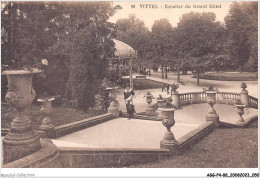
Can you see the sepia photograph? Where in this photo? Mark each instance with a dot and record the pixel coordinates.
(118, 84)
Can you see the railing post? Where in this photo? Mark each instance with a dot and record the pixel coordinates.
(114, 105)
(46, 128)
(211, 100)
(195, 95)
(244, 95)
(176, 98)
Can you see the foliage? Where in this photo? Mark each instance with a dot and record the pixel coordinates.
(200, 41)
(75, 34)
(162, 43)
(241, 24)
(134, 32)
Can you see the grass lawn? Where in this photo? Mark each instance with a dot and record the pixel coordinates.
(60, 116)
(223, 148)
(230, 76)
(143, 84)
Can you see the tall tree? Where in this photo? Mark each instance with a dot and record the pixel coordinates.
(200, 41)
(75, 33)
(241, 24)
(161, 42)
(134, 32)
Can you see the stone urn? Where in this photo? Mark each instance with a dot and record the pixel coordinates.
(46, 127)
(149, 98)
(175, 95)
(240, 111)
(114, 104)
(211, 100)
(160, 103)
(21, 139)
(167, 116)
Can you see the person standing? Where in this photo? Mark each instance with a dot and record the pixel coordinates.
(168, 88)
(128, 96)
(163, 87)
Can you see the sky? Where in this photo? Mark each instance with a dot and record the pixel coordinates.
(170, 10)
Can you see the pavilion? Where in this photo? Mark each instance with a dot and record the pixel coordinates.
(122, 60)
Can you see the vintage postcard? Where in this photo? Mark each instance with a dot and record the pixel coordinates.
(129, 84)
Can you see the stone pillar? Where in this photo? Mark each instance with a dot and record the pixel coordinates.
(240, 112)
(21, 140)
(176, 99)
(244, 97)
(212, 115)
(169, 142)
(46, 128)
(114, 105)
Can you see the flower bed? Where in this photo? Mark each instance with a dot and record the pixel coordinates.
(61, 115)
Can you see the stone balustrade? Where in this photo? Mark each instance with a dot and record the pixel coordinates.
(221, 97)
(253, 102)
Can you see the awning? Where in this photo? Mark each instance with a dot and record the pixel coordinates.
(123, 50)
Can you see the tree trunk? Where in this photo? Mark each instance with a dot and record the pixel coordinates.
(149, 72)
(166, 74)
(9, 31)
(198, 79)
(178, 74)
(162, 73)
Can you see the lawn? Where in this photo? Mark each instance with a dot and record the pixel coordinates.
(60, 116)
(230, 76)
(143, 84)
(223, 148)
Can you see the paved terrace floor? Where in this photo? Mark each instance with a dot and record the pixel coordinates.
(123, 133)
(135, 133)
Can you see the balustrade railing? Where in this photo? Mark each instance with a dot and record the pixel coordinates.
(221, 97)
(227, 98)
(253, 102)
(192, 98)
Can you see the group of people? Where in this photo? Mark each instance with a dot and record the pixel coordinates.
(166, 87)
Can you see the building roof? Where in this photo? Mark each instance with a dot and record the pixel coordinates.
(123, 50)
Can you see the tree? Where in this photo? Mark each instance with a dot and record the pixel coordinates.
(74, 33)
(161, 42)
(134, 32)
(241, 24)
(199, 40)
(85, 44)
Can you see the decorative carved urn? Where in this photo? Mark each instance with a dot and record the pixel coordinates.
(167, 117)
(21, 140)
(46, 127)
(211, 100)
(149, 98)
(114, 105)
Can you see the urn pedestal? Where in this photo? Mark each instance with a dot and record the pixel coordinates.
(21, 140)
(212, 115)
(150, 111)
(175, 98)
(169, 142)
(244, 97)
(240, 112)
(114, 105)
(46, 128)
